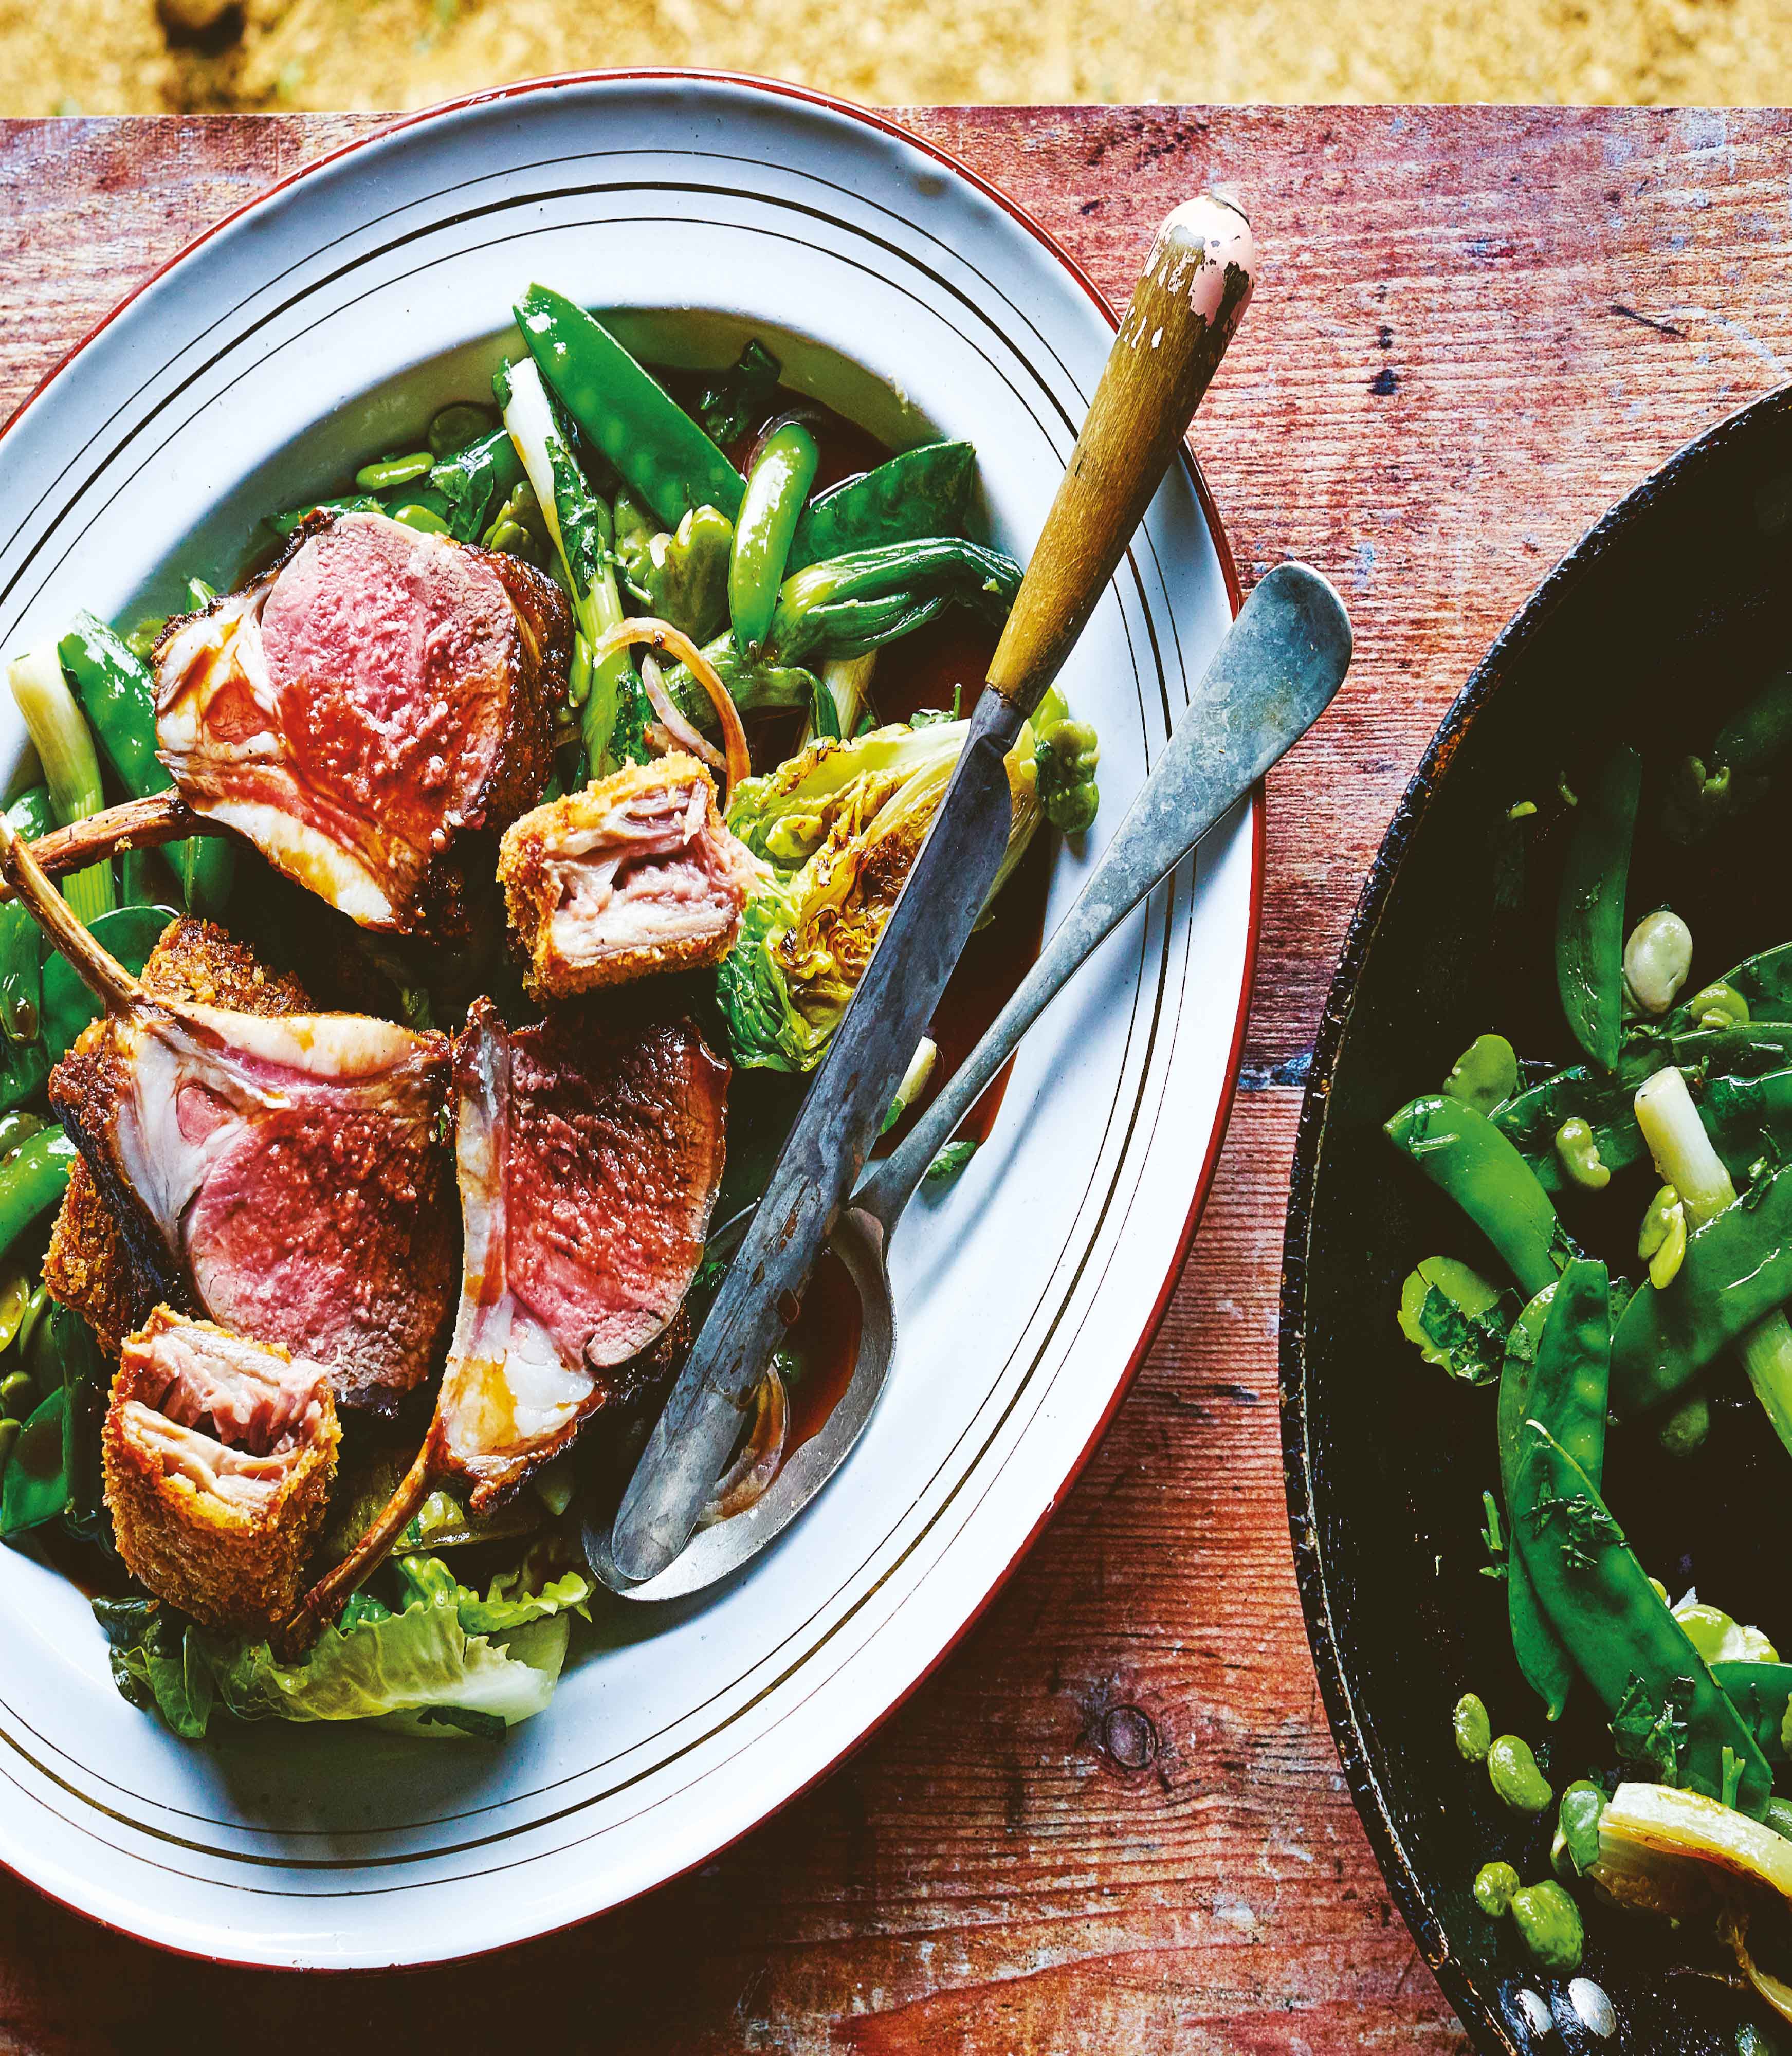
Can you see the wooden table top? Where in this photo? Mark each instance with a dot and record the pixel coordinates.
(1476, 328)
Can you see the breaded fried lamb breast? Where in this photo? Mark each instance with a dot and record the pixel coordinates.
(636, 874)
(218, 1455)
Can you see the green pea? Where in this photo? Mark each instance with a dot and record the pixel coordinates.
(426, 520)
(1718, 1005)
(9, 1432)
(17, 1126)
(35, 1308)
(1473, 1729)
(1486, 1075)
(1495, 1884)
(1549, 1921)
(1684, 1431)
(15, 1296)
(1579, 1152)
(1577, 1839)
(18, 1395)
(142, 640)
(513, 540)
(1657, 958)
(458, 425)
(1661, 1239)
(1515, 1776)
(393, 471)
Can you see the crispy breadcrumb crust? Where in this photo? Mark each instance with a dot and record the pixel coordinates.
(88, 1266)
(229, 1566)
(529, 888)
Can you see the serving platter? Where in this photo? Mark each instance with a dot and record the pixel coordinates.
(1666, 615)
(329, 318)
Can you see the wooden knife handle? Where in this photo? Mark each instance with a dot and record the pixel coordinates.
(1195, 286)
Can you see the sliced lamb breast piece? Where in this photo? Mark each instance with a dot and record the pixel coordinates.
(284, 1177)
(356, 709)
(589, 1151)
(637, 873)
(218, 1455)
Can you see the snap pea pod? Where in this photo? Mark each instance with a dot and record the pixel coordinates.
(1743, 752)
(1590, 910)
(130, 933)
(623, 411)
(21, 949)
(1605, 1100)
(86, 1385)
(1544, 1663)
(1564, 1387)
(782, 472)
(925, 491)
(118, 696)
(1618, 1628)
(35, 1488)
(1736, 1271)
(845, 605)
(1747, 1118)
(1467, 1157)
(32, 1181)
(1761, 1692)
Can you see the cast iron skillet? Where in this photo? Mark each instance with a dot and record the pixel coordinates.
(1670, 610)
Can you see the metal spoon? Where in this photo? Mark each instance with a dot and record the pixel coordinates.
(1273, 674)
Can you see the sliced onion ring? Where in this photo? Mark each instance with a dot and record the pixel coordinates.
(663, 635)
(676, 729)
(744, 1481)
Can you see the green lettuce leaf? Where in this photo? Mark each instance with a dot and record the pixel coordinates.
(446, 1660)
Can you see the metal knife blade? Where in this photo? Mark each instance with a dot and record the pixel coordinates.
(838, 1122)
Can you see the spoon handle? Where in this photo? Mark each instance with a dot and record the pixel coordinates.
(1189, 300)
(1274, 674)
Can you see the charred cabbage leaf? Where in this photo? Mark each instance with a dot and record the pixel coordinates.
(839, 825)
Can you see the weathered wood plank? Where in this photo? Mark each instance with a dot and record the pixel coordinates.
(1114, 1820)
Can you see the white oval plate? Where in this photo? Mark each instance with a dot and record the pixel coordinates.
(323, 322)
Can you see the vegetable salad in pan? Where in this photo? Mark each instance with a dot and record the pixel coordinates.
(449, 915)
(1628, 1286)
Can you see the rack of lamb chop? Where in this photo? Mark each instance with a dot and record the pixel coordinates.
(373, 698)
(282, 1177)
(589, 1149)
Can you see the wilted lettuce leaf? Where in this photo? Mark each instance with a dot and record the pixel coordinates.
(445, 1660)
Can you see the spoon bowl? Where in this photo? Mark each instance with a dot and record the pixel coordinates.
(1281, 662)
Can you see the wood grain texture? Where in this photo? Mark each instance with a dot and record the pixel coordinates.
(1114, 1821)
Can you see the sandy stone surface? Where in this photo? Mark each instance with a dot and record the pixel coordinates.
(135, 56)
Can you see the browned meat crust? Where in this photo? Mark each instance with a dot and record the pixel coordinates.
(88, 1266)
(230, 1564)
(542, 855)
